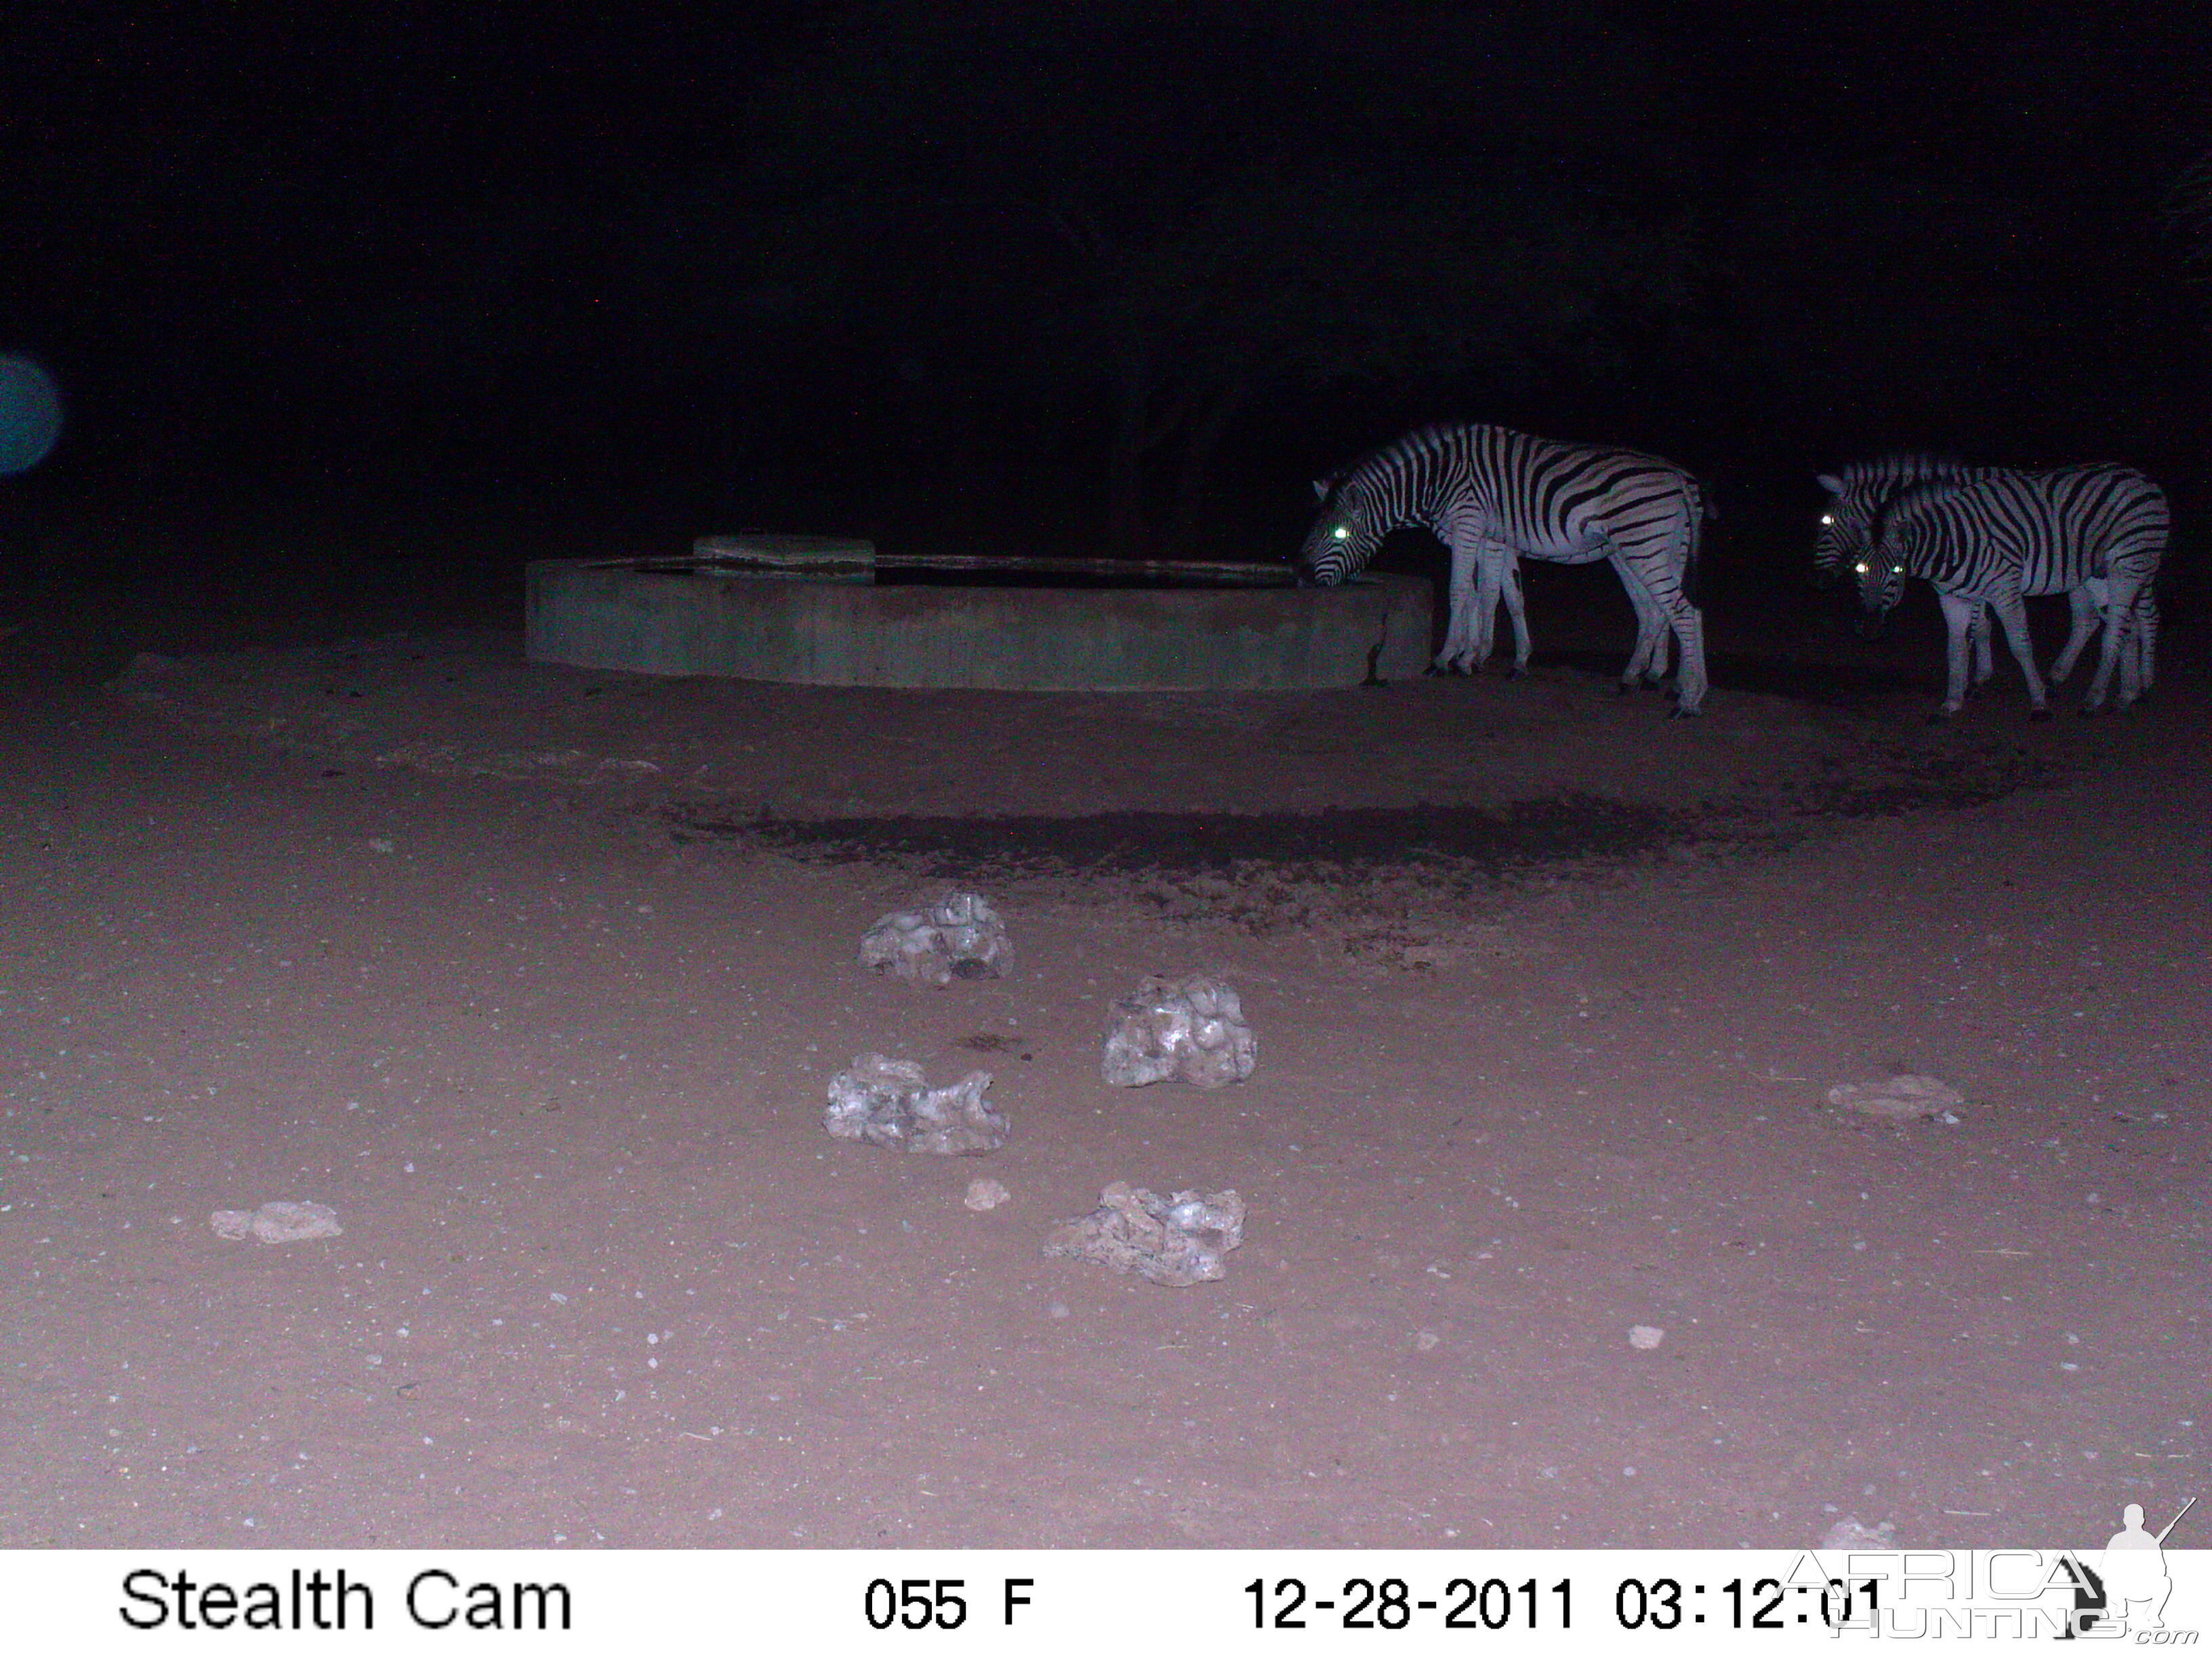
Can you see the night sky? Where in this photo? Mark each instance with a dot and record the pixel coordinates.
(469, 284)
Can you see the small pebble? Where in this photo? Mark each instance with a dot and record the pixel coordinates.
(1904, 1097)
(279, 1223)
(984, 1194)
(1645, 1336)
(1852, 1533)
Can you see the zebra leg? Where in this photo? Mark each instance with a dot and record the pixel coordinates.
(1690, 680)
(2013, 615)
(1516, 606)
(1459, 635)
(1497, 580)
(2087, 602)
(1662, 638)
(2139, 650)
(2123, 609)
(1482, 626)
(1665, 583)
(1647, 666)
(1655, 588)
(2113, 652)
(1985, 667)
(1960, 618)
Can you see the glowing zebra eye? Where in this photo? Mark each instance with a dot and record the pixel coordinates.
(1827, 518)
(1342, 532)
(1861, 568)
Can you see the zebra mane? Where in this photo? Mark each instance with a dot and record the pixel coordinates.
(1423, 440)
(1914, 493)
(1906, 466)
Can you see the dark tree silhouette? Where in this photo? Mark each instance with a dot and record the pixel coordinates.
(2189, 219)
(1088, 204)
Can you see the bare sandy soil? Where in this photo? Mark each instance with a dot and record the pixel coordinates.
(535, 977)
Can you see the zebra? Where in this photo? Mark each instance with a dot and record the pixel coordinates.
(1864, 488)
(1495, 497)
(1858, 495)
(1993, 537)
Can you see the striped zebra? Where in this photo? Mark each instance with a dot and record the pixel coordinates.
(1857, 496)
(1494, 497)
(1863, 490)
(1993, 538)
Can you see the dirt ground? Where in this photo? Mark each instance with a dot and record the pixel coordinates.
(537, 976)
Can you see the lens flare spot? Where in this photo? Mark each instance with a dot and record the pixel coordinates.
(30, 415)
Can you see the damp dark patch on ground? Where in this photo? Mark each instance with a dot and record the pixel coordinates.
(1921, 782)
(1465, 842)
(1572, 827)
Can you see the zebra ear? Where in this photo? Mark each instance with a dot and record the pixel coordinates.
(1832, 483)
(1321, 489)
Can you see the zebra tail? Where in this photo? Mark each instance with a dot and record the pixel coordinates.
(1701, 508)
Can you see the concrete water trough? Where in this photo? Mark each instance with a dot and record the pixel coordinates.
(812, 610)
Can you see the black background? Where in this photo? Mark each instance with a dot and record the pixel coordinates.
(349, 301)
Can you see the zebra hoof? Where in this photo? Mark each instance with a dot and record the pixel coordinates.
(1518, 672)
(2045, 713)
(1679, 713)
(1625, 688)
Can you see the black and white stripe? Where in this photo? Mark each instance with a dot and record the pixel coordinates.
(1863, 490)
(1994, 537)
(1493, 497)
(1857, 495)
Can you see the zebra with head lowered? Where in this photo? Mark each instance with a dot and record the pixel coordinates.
(1863, 491)
(1993, 537)
(1494, 496)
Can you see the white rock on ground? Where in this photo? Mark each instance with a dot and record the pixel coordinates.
(1177, 1240)
(945, 935)
(889, 1102)
(1190, 1028)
